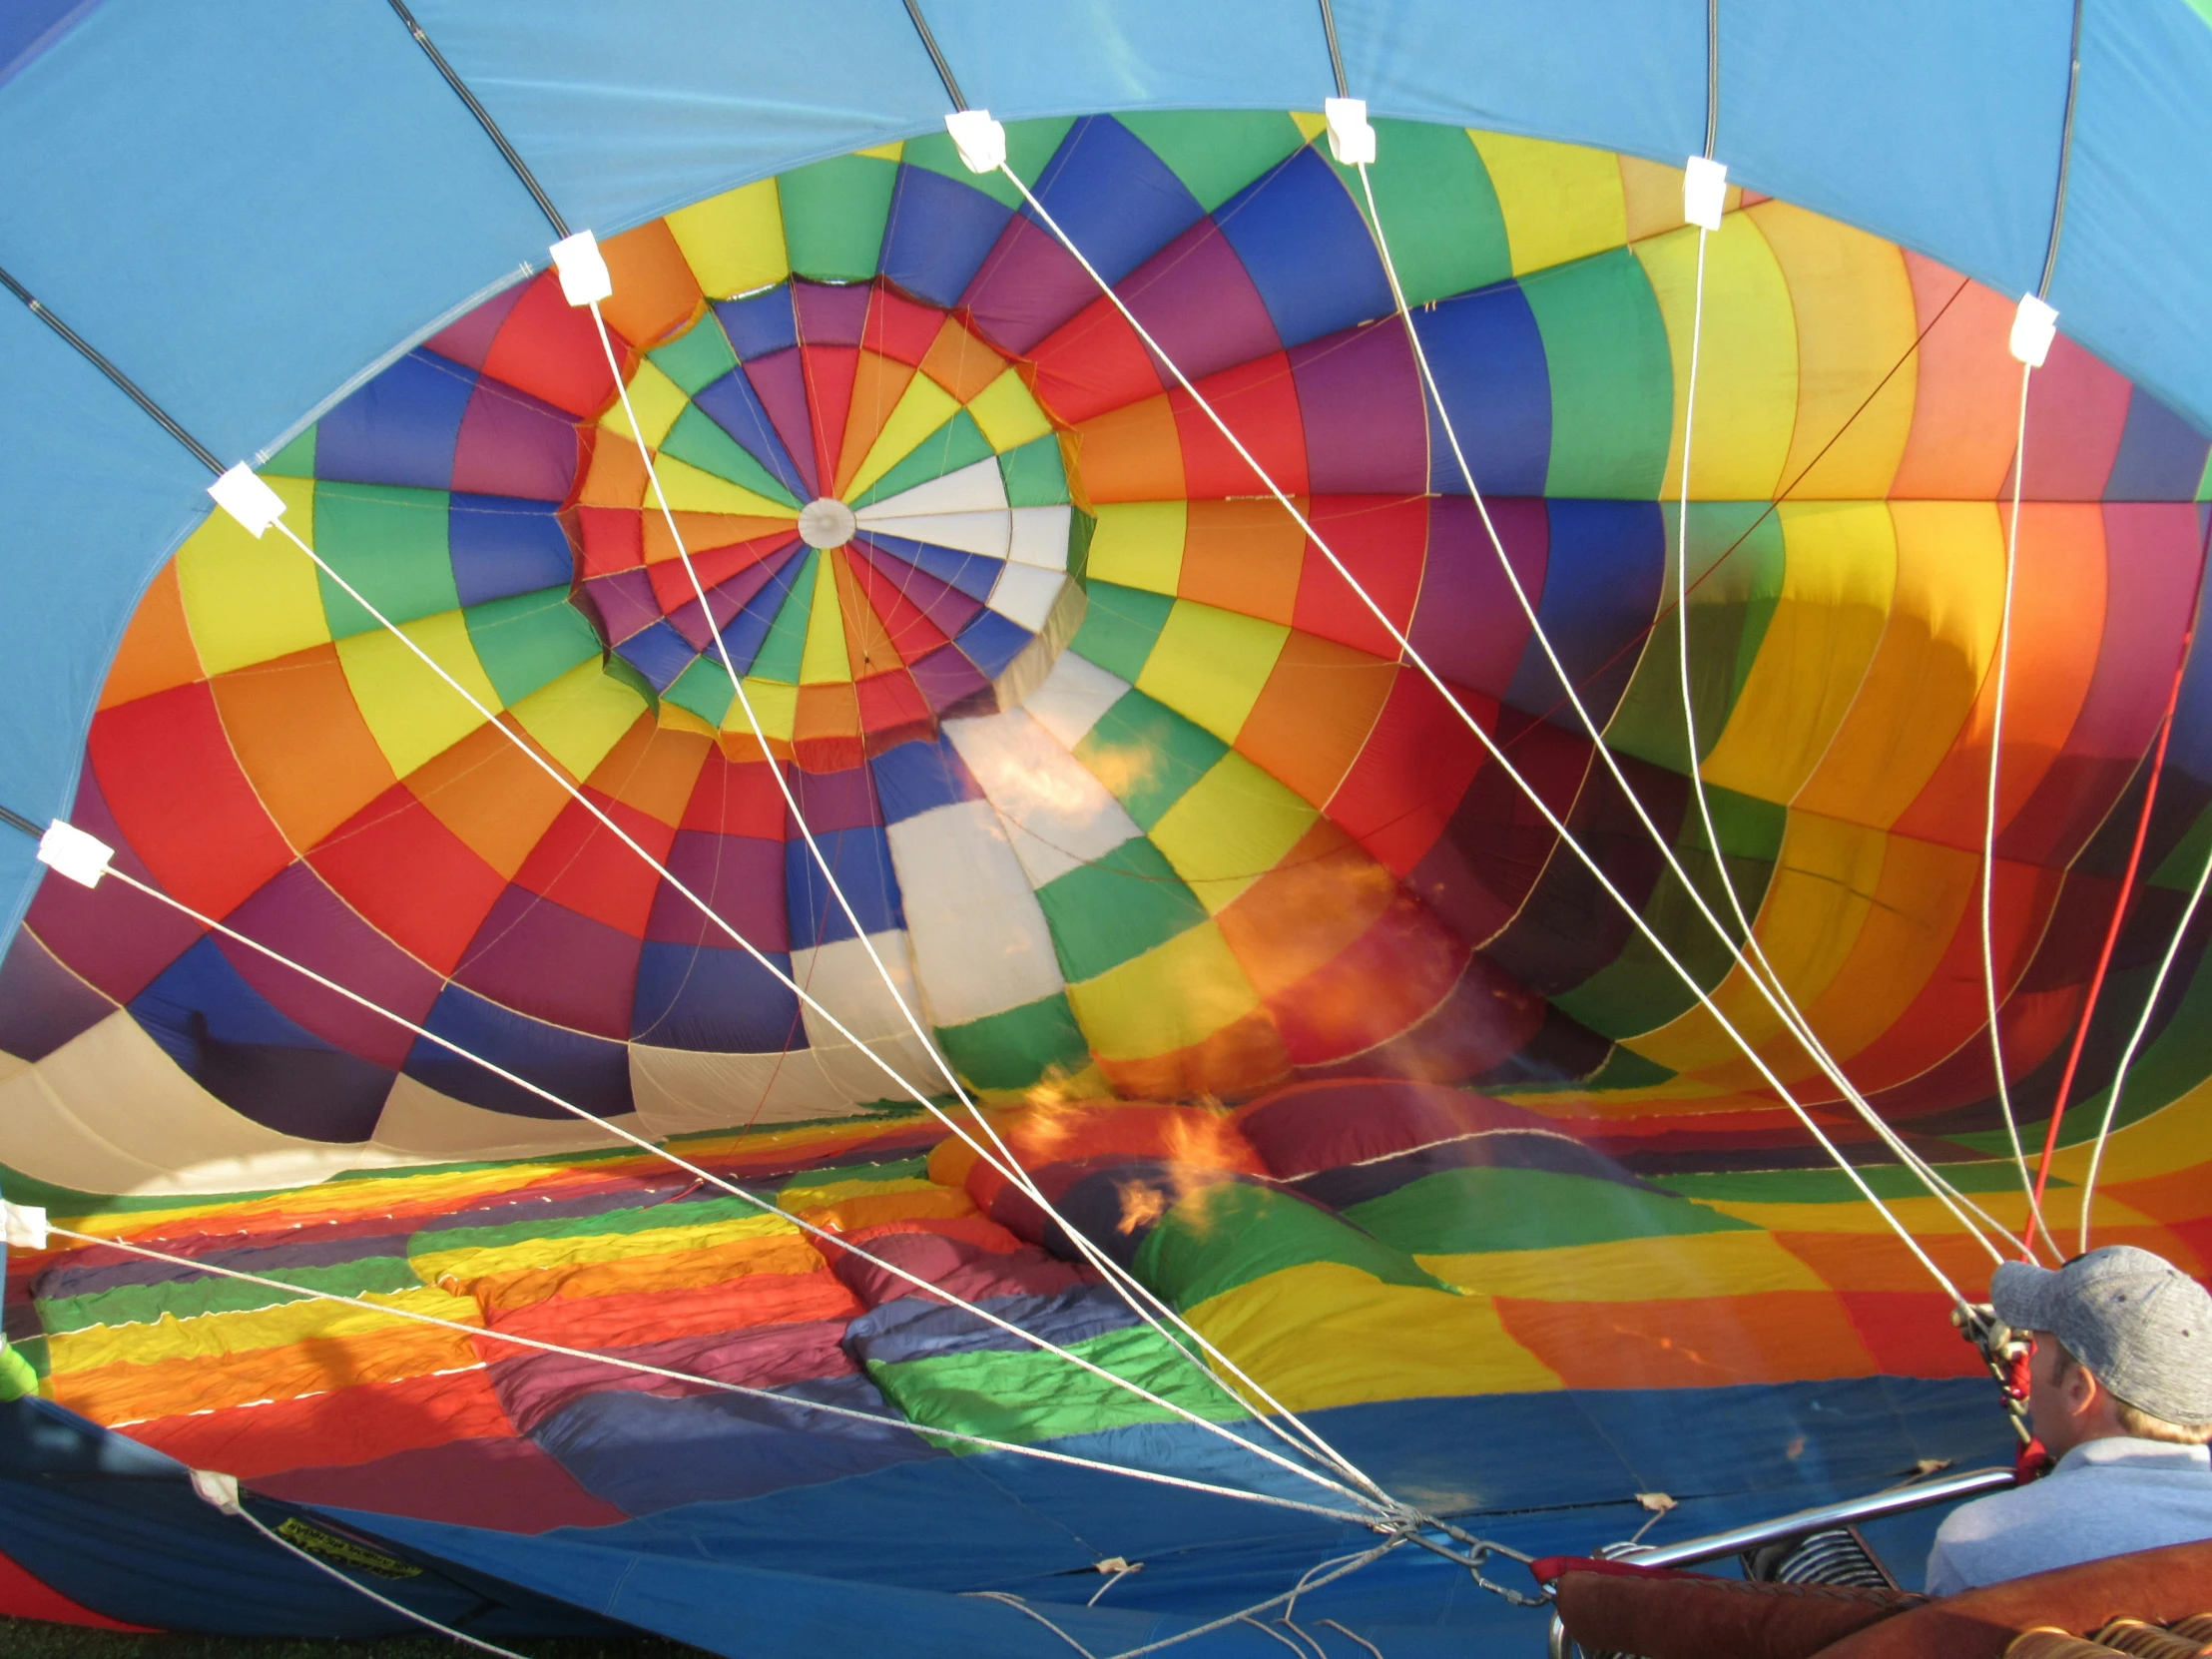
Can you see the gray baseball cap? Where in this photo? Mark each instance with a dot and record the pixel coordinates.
(2140, 1323)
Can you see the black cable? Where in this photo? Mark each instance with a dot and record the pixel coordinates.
(944, 70)
(1712, 76)
(485, 120)
(16, 821)
(1336, 52)
(2066, 156)
(128, 387)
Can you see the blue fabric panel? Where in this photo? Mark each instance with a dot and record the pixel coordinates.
(225, 1034)
(1488, 361)
(2161, 455)
(503, 546)
(42, 1003)
(29, 26)
(919, 777)
(400, 428)
(1115, 199)
(860, 860)
(992, 643)
(972, 573)
(1308, 249)
(746, 632)
(761, 325)
(659, 653)
(736, 408)
(917, 1328)
(713, 999)
(1601, 590)
(644, 1453)
(938, 234)
(586, 1071)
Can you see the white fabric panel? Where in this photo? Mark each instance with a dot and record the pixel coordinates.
(979, 939)
(681, 1091)
(986, 534)
(971, 489)
(420, 1125)
(1056, 815)
(1024, 594)
(840, 977)
(1041, 537)
(1073, 696)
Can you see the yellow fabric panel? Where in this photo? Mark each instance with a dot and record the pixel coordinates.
(1309, 123)
(773, 1234)
(1211, 665)
(1172, 996)
(789, 1256)
(733, 243)
(885, 152)
(795, 1198)
(2171, 1138)
(1922, 1217)
(1139, 544)
(689, 489)
(248, 601)
(412, 713)
(1825, 877)
(1631, 1270)
(775, 706)
(657, 400)
(212, 1335)
(1838, 575)
(1747, 361)
(1007, 413)
(579, 717)
(824, 660)
(1929, 668)
(875, 1209)
(1230, 828)
(1560, 202)
(922, 408)
(1324, 1334)
(1854, 325)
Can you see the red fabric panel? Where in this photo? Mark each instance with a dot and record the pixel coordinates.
(550, 350)
(1093, 364)
(510, 1485)
(583, 864)
(1258, 402)
(899, 328)
(1384, 542)
(1417, 762)
(1318, 1126)
(412, 876)
(736, 799)
(25, 1596)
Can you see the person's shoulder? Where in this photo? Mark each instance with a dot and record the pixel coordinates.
(1986, 1517)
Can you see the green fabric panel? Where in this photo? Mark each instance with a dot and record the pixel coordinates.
(1148, 755)
(833, 216)
(1612, 378)
(697, 439)
(1219, 1237)
(704, 689)
(1029, 145)
(1034, 473)
(618, 668)
(1637, 992)
(18, 1377)
(2181, 868)
(1081, 528)
(146, 1304)
(1439, 211)
(389, 543)
(959, 442)
(529, 641)
(1120, 626)
(1030, 1395)
(1828, 1185)
(1459, 1210)
(1117, 907)
(780, 651)
(1012, 1050)
(697, 358)
(1217, 152)
(295, 459)
(648, 1217)
(1736, 570)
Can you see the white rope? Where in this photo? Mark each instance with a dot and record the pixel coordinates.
(1989, 816)
(1132, 1291)
(1007, 1600)
(644, 1369)
(1042, 1344)
(1776, 996)
(2134, 1041)
(1354, 1634)
(1498, 754)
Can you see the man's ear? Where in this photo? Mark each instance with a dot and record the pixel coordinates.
(2082, 1389)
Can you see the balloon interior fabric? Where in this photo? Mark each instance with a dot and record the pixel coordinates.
(1260, 963)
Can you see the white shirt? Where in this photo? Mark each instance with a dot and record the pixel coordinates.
(2106, 1498)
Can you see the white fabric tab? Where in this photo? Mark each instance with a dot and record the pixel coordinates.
(1704, 193)
(583, 268)
(2035, 326)
(26, 1226)
(242, 493)
(222, 1491)
(980, 140)
(70, 851)
(1350, 139)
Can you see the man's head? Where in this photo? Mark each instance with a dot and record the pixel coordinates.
(2123, 1346)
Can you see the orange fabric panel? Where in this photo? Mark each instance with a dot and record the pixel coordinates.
(781, 1254)
(877, 383)
(157, 650)
(1307, 911)
(1967, 409)
(1875, 1262)
(960, 363)
(848, 1215)
(825, 730)
(1767, 1336)
(1243, 556)
(490, 795)
(1243, 1057)
(615, 475)
(655, 296)
(1133, 454)
(868, 643)
(653, 770)
(1314, 714)
(704, 533)
(300, 741)
(648, 1316)
(126, 1392)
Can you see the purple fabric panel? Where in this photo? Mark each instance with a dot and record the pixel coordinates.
(295, 913)
(1317, 1126)
(741, 879)
(831, 313)
(533, 1387)
(625, 601)
(947, 608)
(725, 599)
(42, 1003)
(1195, 298)
(947, 678)
(836, 799)
(512, 444)
(1466, 624)
(117, 939)
(958, 1266)
(88, 1271)
(1028, 287)
(779, 382)
(1360, 395)
(541, 958)
(468, 338)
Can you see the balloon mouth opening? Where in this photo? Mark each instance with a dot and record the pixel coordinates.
(826, 523)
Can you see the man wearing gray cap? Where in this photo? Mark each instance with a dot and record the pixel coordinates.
(2120, 1393)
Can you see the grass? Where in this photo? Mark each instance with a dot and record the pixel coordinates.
(36, 1639)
